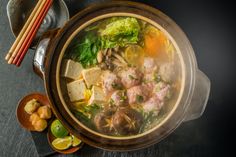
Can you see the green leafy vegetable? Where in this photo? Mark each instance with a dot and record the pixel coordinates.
(86, 51)
(149, 117)
(112, 33)
(120, 32)
(88, 110)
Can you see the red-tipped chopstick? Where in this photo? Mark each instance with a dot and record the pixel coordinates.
(24, 47)
(24, 39)
(28, 24)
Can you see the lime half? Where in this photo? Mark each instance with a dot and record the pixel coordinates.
(58, 130)
(134, 54)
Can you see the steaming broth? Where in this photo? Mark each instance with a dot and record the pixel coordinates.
(121, 76)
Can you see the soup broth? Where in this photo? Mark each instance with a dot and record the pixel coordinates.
(121, 76)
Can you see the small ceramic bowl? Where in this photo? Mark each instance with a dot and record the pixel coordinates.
(22, 116)
(70, 150)
(19, 10)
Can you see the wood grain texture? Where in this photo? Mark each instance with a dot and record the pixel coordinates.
(202, 22)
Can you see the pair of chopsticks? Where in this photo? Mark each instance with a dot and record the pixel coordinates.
(22, 43)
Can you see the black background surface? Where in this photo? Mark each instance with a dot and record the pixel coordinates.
(210, 26)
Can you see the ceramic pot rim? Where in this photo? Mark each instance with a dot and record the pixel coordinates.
(84, 134)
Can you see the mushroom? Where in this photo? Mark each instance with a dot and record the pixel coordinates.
(111, 58)
(104, 52)
(109, 52)
(103, 122)
(127, 121)
(116, 49)
(100, 56)
(121, 59)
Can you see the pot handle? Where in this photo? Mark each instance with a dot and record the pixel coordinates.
(200, 97)
(42, 53)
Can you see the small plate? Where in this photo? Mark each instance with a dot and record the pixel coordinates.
(22, 116)
(70, 150)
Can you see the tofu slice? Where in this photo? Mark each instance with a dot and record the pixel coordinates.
(92, 76)
(98, 96)
(71, 69)
(76, 90)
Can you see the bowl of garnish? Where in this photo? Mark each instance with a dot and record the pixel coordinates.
(61, 140)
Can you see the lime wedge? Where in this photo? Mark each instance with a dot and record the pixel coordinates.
(62, 143)
(75, 141)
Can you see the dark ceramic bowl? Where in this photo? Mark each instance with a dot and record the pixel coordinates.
(193, 94)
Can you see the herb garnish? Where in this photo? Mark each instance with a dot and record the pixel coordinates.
(132, 77)
(139, 98)
(116, 85)
(157, 78)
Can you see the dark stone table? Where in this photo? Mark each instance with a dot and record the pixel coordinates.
(210, 26)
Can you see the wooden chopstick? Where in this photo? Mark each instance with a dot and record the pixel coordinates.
(20, 56)
(29, 27)
(22, 31)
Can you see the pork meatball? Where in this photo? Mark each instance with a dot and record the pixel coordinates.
(162, 90)
(119, 98)
(111, 82)
(149, 65)
(167, 72)
(127, 121)
(130, 77)
(138, 94)
(153, 104)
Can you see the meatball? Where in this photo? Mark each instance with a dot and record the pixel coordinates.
(138, 94)
(111, 82)
(127, 121)
(131, 77)
(162, 90)
(119, 98)
(148, 77)
(152, 77)
(149, 65)
(167, 72)
(153, 104)
(103, 122)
